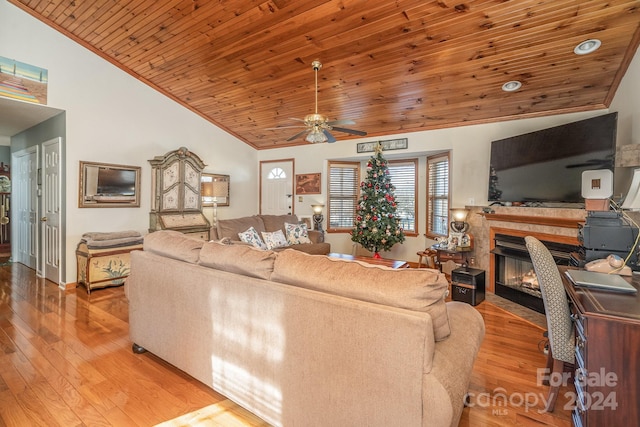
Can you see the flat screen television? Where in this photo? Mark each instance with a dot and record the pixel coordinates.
(116, 182)
(545, 167)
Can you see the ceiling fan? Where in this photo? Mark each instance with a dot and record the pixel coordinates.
(317, 126)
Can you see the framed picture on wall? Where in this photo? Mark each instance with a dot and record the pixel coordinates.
(388, 144)
(308, 183)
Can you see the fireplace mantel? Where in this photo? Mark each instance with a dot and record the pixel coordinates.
(569, 240)
(536, 220)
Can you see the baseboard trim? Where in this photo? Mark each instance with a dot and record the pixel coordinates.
(69, 286)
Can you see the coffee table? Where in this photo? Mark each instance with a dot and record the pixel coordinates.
(371, 260)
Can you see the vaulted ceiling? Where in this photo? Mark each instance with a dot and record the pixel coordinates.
(390, 66)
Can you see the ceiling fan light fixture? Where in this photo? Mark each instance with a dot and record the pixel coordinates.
(315, 118)
(511, 86)
(318, 126)
(587, 46)
(316, 136)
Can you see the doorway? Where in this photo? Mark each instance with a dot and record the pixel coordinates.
(276, 187)
(24, 212)
(37, 209)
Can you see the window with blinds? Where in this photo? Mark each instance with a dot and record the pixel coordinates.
(403, 175)
(438, 195)
(344, 184)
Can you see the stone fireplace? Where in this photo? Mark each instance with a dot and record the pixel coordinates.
(550, 225)
(556, 227)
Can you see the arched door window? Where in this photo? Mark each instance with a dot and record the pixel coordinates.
(277, 173)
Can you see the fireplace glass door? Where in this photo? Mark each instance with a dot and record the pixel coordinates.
(515, 278)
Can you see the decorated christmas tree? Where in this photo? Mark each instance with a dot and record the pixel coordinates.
(376, 226)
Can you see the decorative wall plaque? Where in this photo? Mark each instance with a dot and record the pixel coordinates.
(389, 144)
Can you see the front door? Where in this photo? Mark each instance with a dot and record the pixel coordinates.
(276, 187)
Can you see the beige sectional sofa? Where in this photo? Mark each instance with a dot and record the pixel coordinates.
(229, 229)
(305, 340)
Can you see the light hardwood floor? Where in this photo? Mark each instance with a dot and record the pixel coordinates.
(66, 360)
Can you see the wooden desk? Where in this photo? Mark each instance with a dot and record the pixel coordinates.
(608, 350)
(370, 260)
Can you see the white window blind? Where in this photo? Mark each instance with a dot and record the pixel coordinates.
(344, 183)
(403, 175)
(438, 195)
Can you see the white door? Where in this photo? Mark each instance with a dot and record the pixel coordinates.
(276, 187)
(51, 214)
(24, 209)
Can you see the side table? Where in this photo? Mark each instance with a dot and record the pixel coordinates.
(458, 255)
(452, 258)
(430, 257)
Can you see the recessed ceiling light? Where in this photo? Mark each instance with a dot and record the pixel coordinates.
(511, 86)
(587, 46)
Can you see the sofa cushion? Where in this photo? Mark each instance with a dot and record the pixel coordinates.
(252, 237)
(296, 233)
(413, 289)
(231, 227)
(310, 248)
(173, 244)
(276, 222)
(274, 239)
(239, 259)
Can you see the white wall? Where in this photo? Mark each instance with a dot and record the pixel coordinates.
(113, 118)
(470, 148)
(627, 104)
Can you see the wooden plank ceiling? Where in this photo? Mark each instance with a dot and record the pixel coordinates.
(391, 66)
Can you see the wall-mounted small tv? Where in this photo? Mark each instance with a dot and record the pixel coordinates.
(545, 167)
(116, 182)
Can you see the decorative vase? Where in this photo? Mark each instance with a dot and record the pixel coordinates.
(376, 255)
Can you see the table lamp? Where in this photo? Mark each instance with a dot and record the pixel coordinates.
(318, 218)
(213, 189)
(459, 215)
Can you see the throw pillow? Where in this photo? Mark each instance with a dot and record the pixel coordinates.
(274, 239)
(296, 233)
(252, 237)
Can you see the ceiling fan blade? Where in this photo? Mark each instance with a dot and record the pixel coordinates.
(298, 135)
(330, 138)
(351, 131)
(341, 122)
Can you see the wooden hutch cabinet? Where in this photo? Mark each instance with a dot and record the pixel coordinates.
(177, 202)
